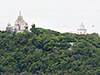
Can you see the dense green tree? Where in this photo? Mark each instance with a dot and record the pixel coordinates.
(46, 52)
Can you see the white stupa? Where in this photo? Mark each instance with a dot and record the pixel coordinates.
(19, 26)
(81, 29)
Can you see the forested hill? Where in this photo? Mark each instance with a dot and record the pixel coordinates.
(47, 52)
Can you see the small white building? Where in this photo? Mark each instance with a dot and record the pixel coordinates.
(82, 29)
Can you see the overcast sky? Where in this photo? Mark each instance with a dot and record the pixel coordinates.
(60, 15)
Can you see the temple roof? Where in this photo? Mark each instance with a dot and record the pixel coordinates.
(20, 19)
(82, 25)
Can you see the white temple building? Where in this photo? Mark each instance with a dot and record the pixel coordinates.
(82, 29)
(19, 26)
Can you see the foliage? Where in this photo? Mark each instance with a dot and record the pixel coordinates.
(46, 52)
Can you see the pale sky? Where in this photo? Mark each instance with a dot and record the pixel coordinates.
(60, 15)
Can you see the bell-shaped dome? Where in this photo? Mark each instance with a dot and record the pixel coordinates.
(81, 26)
(20, 24)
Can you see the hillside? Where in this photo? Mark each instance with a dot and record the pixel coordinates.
(46, 52)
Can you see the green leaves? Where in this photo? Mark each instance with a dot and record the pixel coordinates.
(46, 52)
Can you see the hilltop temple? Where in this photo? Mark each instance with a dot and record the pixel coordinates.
(19, 26)
(82, 29)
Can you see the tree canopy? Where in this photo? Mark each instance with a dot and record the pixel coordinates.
(48, 52)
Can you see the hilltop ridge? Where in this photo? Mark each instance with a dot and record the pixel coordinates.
(46, 52)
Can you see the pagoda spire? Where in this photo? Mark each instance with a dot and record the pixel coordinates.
(19, 13)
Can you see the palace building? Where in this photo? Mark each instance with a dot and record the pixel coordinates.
(19, 26)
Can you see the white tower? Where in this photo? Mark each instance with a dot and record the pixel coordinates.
(82, 29)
